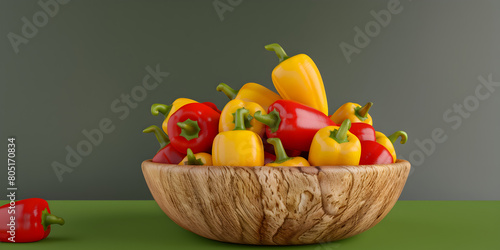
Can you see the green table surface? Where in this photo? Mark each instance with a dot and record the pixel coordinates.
(142, 225)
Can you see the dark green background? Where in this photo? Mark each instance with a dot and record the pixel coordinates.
(65, 79)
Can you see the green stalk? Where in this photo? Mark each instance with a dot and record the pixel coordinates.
(49, 219)
(279, 150)
(160, 135)
(189, 129)
(272, 120)
(239, 119)
(158, 108)
(362, 112)
(340, 135)
(279, 51)
(402, 134)
(230, 92)
(192, 160)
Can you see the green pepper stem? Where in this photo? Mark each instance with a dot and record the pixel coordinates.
(248, 120)
(160, 135)
(340, 135)
(189, 129)
(402, 134)
(158, 108)
(362, 112)
(272, 119)
(239, 118)
(49, 219)
(279, 150)
(230, 92)
(192, 160)
(279, 51)
(52, 219)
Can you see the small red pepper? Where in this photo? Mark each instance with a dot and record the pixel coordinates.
(373, 152)
(167, 154)
(294, 123)
(32, 220)
(194, 126)
(364, 131)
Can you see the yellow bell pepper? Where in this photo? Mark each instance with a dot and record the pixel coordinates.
(353, 112)
(282, 159)
(297, 78)
(239, 147)
(226, 122)
(251, 92)
(168, 110)
(335, 145)
(388, 142)
(203, 159)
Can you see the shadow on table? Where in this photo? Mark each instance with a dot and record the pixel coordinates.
(208, 243)
(57, 239)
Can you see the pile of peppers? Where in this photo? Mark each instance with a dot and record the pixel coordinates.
(259, 127)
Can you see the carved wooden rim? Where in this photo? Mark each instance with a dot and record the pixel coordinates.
(398, 163)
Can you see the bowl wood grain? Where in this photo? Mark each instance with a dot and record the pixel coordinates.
(276, 205)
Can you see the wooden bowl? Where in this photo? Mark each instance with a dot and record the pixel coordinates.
(276, 205)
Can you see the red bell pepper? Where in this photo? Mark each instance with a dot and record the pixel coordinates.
(294, 123)
(373, 152)
(194, 126)
(26, 220)
(364, 131)
(167, 153)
